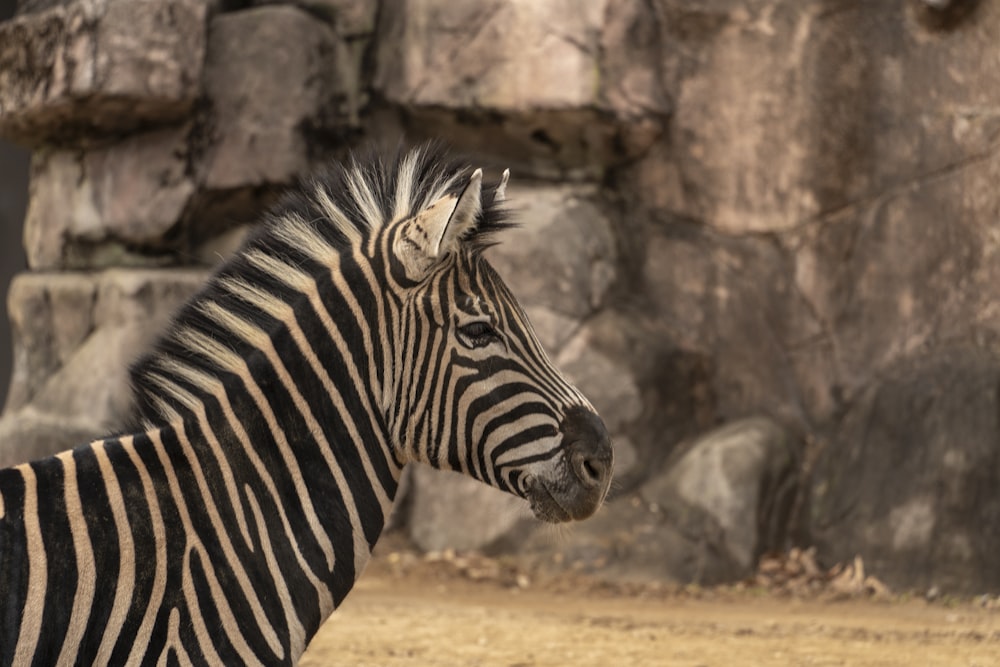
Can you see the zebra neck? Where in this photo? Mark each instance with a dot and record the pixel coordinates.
(245, 546)
(298, 515)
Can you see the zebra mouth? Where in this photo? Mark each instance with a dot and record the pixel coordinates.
(544, 503)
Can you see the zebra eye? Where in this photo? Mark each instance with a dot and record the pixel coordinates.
(478, 334)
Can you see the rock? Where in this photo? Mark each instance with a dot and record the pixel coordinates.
(611, 388)
(74, 338)
(730, 489)
(504, 57)
(732, 300)
(272, 97)
(92, 208)
(99, 66)
(505, 82)
(750, 70)
(705, 520)
(452, 511)
(351, 18)
(910, 284)
(564, 229)
(909, 478)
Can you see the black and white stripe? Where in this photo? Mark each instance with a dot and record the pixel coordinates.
(359, 330)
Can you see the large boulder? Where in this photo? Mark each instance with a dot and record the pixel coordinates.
(75, 335)
(909, 480)
(732, 489)
(99, 67)
(705, 518)
(99, 207)
(502, 79)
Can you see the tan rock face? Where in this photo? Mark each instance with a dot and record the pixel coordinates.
(507, 56)
(731, 208)
(74, 336)
(538, 83)
(270, 94)
(98, 67)
(93, 208)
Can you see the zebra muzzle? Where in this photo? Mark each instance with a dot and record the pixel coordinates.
(575, 489)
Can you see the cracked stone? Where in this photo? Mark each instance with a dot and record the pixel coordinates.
(94, 207)
(529, 81)
(75, 335)
(564, 229)
(99, 67)
(270, 95)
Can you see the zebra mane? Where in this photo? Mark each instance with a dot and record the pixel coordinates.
(345, 201)
(331, 211)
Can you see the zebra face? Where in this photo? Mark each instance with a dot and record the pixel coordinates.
(481, 396)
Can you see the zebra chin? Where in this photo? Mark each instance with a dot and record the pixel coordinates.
(574, 485)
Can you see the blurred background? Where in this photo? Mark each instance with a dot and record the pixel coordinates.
(13, 200)
(761, 235)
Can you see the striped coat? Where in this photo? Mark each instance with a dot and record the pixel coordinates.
(361, 329)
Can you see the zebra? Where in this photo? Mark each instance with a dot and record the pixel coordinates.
(360, 328)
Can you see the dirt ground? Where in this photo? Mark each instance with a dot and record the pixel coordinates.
(430, 617)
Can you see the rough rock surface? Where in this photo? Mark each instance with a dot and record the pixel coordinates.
(731, 208)
(99, 66)
(531, 81)
(271, 96)
(93, 208)
(730, 486)
(911, 474)
(74, 338)
(451, 511)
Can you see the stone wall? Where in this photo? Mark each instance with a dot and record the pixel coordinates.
(762, 235)
(13, 199)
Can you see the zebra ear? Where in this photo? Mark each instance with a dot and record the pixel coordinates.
(439, 229)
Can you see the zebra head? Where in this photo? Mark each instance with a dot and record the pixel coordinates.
(475, 391)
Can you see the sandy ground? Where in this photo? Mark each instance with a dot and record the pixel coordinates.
(412, 619)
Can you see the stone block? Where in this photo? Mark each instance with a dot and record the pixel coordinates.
(98, 207)
(273, 97)
(99, 67)
(527, 80)
(351, 18)
(75, 335)
(909, 479)
(734, 483)
(452, 511)
(504, 56)
(563, 229)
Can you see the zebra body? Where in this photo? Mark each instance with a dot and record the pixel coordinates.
(360, 330)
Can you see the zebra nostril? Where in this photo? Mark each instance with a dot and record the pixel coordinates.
(589, 469)
(588, 447)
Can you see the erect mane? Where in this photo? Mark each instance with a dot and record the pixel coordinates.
(335, 208)
(372, 189)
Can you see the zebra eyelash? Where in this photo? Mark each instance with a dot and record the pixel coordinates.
(478, 334)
